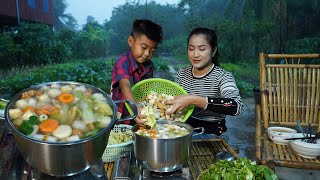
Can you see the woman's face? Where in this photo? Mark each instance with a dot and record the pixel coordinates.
(199, 52)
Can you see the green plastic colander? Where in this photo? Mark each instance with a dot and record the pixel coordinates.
(161, 86)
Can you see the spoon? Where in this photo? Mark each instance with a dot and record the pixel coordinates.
(299, 125)
(223, 155)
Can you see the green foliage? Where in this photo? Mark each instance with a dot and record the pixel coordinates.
(246, 75)
(93, 38)
(174, 46)
(305, 45)
(33, 44)
(9, 50)
(160, 64)
(97, 73)
(169, 17)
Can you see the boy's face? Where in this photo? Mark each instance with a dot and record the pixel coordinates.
(142, 47)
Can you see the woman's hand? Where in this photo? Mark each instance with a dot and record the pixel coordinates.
(179, 103)
(183, 101)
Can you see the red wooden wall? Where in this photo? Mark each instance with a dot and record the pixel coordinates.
(27, 12)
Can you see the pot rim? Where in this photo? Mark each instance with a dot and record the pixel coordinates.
(81, 141)
(164, 121)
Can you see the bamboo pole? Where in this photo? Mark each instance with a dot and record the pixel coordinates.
(263, 89)
(281, 56)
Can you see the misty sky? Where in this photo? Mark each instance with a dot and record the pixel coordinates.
(99, 9)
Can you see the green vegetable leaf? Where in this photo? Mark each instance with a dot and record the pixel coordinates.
(33, 120)
(26, 128)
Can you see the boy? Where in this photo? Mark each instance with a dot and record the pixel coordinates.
(135, 64)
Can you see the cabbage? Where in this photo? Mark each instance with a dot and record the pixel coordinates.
(102, 108)
(86, 112)
(151, 119)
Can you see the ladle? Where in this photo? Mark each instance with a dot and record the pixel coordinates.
(223, 155)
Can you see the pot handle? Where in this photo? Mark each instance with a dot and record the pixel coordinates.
(3, 102)
(197, 134)
(131, 107)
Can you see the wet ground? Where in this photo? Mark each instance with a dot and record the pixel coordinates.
(241, 130)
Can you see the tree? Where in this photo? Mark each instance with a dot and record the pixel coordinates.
(96, 39)
(62, 20)
(168, 16)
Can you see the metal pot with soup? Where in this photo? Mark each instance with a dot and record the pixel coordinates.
(165, 147)
(62, 128)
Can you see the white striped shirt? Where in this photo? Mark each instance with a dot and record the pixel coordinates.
(217, 83)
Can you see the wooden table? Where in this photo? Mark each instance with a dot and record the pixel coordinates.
(201, 156)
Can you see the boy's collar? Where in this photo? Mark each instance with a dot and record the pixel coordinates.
(132, 60)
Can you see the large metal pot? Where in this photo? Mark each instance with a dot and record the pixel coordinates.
(68, 158)
(164, 155)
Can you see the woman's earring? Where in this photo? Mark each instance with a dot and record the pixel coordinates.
(214, 52)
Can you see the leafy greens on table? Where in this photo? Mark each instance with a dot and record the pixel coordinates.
(238, 170)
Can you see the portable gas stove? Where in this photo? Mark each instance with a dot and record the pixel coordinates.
(127, 167)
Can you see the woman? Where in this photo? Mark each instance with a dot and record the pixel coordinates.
(211, 89)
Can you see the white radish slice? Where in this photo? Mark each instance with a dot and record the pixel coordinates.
(43, 117)
(47, 138)
(62, 131)
(54, 92)
(35, 130)
(51, 139)
(73, 138)
(21, 103)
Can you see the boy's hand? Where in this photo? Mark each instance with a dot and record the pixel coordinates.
(138, 119)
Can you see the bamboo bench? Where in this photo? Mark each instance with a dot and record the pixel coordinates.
(289, 91)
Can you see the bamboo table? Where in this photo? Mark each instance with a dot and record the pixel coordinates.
(201, 156)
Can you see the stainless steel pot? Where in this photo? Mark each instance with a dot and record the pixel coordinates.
(69, 158)
(163, 155)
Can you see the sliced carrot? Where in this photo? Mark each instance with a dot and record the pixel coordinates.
(65, 98)
(34, 109)
(48, 126)
(49, 109)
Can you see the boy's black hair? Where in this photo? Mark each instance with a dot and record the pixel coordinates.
(144, 26)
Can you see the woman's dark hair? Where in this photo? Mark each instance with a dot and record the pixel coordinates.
(211, 38)
(144, 26)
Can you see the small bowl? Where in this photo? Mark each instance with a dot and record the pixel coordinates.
(304, 149)
(279, 134)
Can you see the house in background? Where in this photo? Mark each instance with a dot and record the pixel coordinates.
(12, 12)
